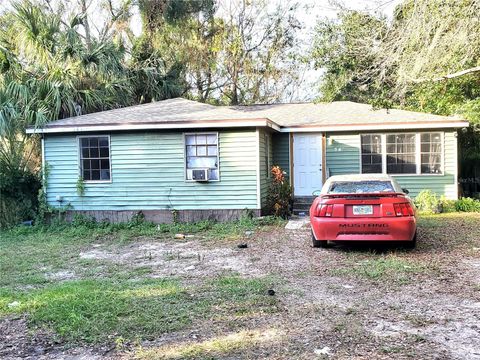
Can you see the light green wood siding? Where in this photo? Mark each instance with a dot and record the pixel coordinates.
(265, 143)
(281, 151)
(343, 154)
(148, 173)
(343, 157)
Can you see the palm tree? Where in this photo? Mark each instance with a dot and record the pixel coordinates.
(49, 71)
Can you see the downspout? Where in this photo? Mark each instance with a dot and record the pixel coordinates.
(259, 198)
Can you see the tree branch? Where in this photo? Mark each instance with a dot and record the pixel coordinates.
(450, 76)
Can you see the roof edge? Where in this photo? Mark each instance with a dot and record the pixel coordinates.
(382, 126)
(227, 123)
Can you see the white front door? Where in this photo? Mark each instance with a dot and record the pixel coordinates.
(307, 163)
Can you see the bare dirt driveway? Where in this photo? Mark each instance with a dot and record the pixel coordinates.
(279, 298)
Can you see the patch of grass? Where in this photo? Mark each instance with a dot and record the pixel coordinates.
(100, 311)
(241, 296)
(450, 231)
(95, 311)
(379, 267)
(419, 320)
(217, 347)
(391, 349)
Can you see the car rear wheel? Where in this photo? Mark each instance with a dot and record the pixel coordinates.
(412, 244)
(319, 243)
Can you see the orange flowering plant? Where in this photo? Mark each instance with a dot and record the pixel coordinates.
(279, 197)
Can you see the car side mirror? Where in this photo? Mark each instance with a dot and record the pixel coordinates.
(405, 191)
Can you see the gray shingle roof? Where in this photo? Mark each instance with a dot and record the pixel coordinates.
(170, 110)
(335, 113)
(181, 111)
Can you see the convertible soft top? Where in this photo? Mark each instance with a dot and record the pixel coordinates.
(360, 178)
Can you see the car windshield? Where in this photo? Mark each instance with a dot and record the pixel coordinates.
(358, 187)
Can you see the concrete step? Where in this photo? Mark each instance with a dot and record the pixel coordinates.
(304, 198)
(300, 212)
(301, 204)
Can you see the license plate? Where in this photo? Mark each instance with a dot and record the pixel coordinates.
(362, 209)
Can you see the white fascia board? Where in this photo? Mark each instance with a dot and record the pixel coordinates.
(180, 126)
(246, 123)
(340, 128)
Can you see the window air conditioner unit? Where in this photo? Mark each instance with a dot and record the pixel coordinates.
(200, 175)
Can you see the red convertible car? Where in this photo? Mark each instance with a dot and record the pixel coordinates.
(369, 207)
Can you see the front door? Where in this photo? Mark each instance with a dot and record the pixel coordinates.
(307, 163)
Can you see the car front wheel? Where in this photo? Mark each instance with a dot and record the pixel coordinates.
(319, 243)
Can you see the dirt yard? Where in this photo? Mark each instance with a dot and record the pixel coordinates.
(338, 303)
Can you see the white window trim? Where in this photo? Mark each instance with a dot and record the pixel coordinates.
(185, 155)
(79, 159)
(383, 149)
(418, 162)
(267, 155)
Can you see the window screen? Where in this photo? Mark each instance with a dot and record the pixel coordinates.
(95, 158)
(202, 153)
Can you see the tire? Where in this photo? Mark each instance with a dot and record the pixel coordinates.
(319, 243)
(412, 244)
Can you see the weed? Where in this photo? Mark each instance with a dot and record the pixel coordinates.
(80, 186)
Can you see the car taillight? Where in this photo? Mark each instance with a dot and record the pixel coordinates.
(403, 209)
(324, 210)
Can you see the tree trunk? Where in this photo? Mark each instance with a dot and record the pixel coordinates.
(86, 25)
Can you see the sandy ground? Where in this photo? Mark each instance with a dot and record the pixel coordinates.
(433, 313)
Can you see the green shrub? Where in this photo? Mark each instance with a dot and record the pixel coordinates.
(18, 195)
(83, 220)
(447, 205)
(279, 196)
(467, 205)
(428, 202)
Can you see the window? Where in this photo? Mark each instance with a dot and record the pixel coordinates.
(95, 158)
(201, 153)
(431, 153)
(401, 154)
(371, 153)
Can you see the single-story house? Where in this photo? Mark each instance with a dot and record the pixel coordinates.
(199, 161)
